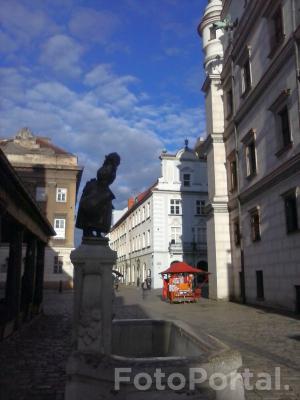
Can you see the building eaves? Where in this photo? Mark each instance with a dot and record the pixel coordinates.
(140, 199)
(13, 184)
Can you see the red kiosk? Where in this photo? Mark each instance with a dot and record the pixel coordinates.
(179, 283)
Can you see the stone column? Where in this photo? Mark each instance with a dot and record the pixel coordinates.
(39, 277)
(13, 280)
(29, 276)
(93, 261)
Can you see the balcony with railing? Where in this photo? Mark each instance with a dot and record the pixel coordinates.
(187, 247)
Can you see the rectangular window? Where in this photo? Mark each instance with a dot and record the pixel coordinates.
(285, 127)
(280, 110)
(60, 228)
(144, 240)
(291, 212)
(229, 103)
(250, 158)
(144, 214)
(139, 216)
(212, 33)
(40, 194)
(200, 234)
(175, 235)
(246, 77)
(233, 175)
(61, 195)
(148, 210)
(276, 29)
(200, 207)
(255, 225)
(260, 285)
(58, 265)
(148, 238)
(186, 179)
(236, 232)
(175, 207)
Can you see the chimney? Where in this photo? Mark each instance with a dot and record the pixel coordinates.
(130, 202)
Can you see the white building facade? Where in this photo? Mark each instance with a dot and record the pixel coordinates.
(252, 94)
(166, 223)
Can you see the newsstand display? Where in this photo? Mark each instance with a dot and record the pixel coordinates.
(179, 283)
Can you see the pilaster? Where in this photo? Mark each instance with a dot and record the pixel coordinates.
(93, 296)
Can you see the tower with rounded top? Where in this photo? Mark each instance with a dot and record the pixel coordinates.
(211, 37)
(218, 233)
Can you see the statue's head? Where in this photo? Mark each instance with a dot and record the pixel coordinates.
(112, 158)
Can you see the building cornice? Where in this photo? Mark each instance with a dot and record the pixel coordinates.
(182, 192)
(264, 82)
(216, 207)
(57, 167)
(216, 78)
(210, 140)
(284, 171)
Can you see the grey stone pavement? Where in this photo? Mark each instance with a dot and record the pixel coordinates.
(32, 362)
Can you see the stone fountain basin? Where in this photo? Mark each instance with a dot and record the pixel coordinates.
(145, 345)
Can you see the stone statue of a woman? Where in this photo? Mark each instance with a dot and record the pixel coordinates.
(95, 206)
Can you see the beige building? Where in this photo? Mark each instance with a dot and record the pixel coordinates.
(52, 177)
(252, 92)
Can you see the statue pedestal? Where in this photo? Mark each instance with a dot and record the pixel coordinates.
(103, 351)
(93, 291)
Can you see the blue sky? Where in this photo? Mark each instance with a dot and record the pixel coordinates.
(104, 75)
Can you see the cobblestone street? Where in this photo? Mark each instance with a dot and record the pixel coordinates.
(32, 362)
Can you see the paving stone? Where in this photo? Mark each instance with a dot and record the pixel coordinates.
(32, 362)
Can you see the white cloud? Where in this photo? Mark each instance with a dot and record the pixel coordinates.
(62, 54)
(91, 126)
(110, 88)
(52, 92)
(22, 24)
(92, 25)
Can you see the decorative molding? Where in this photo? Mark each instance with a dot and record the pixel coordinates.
(217, 137)
(216, 208)
(244, 55)
(285, 171)
(250, 135)
(280, 101)
(89, 327)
